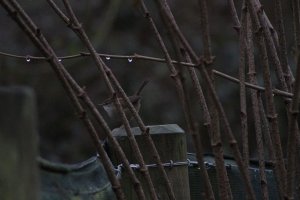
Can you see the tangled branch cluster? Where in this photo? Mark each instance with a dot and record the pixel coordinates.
(253, 29)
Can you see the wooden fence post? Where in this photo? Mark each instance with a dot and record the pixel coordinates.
(170, 141)
(18, 144)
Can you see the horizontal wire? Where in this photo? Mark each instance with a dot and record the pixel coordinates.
(154, 59)
(188, 163)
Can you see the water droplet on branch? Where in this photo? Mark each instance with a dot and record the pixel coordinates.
(107, 58)
(130, 60)
(27, 59)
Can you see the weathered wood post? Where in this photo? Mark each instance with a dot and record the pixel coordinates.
(170, 141)
(18, 144)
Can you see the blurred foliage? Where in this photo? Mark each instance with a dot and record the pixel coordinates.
(117, 27)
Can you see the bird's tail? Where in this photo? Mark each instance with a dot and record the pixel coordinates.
(145, 82)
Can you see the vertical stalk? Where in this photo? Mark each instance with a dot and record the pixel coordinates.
(282, 44)
(223, 184)
(214, 115)
(191, 124)
(243, 101)
(255, 107)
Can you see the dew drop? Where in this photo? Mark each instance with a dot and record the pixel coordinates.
(27, 59)
(107, 58)
(130, 60)
(59, 60)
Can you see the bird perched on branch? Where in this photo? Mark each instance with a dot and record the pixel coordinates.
(110, 107)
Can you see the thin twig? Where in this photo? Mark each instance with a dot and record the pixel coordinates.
(141, 57)
(243, 101)
(282, 44)
(215, 119)
(255, 97)
(215, 141)
(192, 126)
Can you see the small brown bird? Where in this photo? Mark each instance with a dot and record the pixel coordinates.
(111, 110)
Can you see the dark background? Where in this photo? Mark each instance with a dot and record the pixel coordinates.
(118, 27)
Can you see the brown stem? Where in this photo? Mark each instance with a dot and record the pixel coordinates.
(282, 44)
(223, 184)
(214, 129)
(255, 107)
(215, 120)
(208, 59)
(243, 102)
(191, 124)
